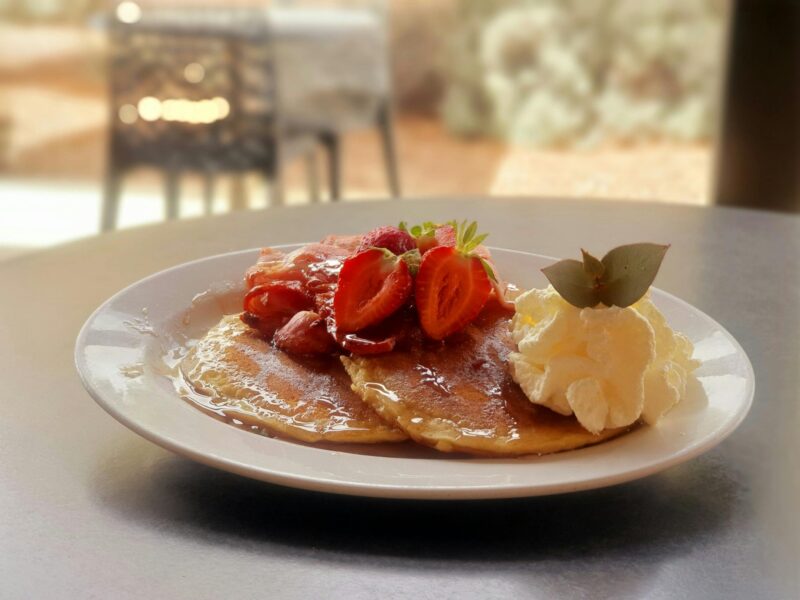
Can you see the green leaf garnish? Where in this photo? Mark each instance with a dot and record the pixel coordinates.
(591, 265)
(573, 283)
(621, 278)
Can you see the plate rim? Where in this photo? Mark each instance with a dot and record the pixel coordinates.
(405, 491)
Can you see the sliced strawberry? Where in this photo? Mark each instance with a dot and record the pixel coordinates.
(312, 261)
(356, 343)
(392, 238)
(372, 285)
(277, 297)
(271, 305)
(347, 242)
(305, 333)
(267, 327)
(270, 262)
(452, 285)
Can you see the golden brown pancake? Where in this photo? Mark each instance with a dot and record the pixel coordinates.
(459, 396)
(237, 374)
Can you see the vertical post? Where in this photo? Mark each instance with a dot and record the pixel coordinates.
(172, 194)
(312, 175)
(111, 195)
(758, 153)
(386, 126)
(276, 178)
(331, 142)
(238, 192)
(208, 192)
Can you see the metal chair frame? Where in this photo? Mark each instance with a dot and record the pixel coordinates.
(253, 137)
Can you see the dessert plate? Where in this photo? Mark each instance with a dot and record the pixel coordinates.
(128, 351)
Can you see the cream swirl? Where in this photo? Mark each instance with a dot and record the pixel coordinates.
(607, 365)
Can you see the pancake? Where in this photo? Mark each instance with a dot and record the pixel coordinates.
(459, 396)
(238, 375)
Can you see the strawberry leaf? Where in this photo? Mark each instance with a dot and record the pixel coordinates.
(478, 240)
(467, 238)
(470, 231)
(488, 268)
(425, 229)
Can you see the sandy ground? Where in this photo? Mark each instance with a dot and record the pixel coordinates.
(432, 162)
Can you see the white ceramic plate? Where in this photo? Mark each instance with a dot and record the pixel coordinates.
(125, 347)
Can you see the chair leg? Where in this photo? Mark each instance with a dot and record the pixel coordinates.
(332, 145)
(386, 126)
(208, 193)
(238, 192)
(312, 175)
(274, 175)
(111, 197)
(172, 194)
(275, 188)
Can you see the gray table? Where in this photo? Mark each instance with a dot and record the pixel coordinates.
(90, 510)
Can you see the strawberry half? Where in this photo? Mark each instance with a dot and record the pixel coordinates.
(452, 285)
(372, 285)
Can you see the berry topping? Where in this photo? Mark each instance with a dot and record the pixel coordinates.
(452, 285)
(372, 285)
(305, 333)
(269, 306)
(392, 238)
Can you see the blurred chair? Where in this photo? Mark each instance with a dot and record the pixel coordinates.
(334, 74)
(195, 91)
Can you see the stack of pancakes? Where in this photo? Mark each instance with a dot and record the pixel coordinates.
(456, 396)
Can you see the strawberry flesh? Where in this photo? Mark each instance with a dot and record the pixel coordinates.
(451, 290)
(372, 285)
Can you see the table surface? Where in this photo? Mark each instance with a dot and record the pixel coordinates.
(90, 510)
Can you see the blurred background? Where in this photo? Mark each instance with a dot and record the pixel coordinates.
(114, 114)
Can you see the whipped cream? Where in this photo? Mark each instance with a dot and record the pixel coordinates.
(608, 366)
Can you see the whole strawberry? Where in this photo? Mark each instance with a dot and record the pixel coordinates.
(392, 238)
